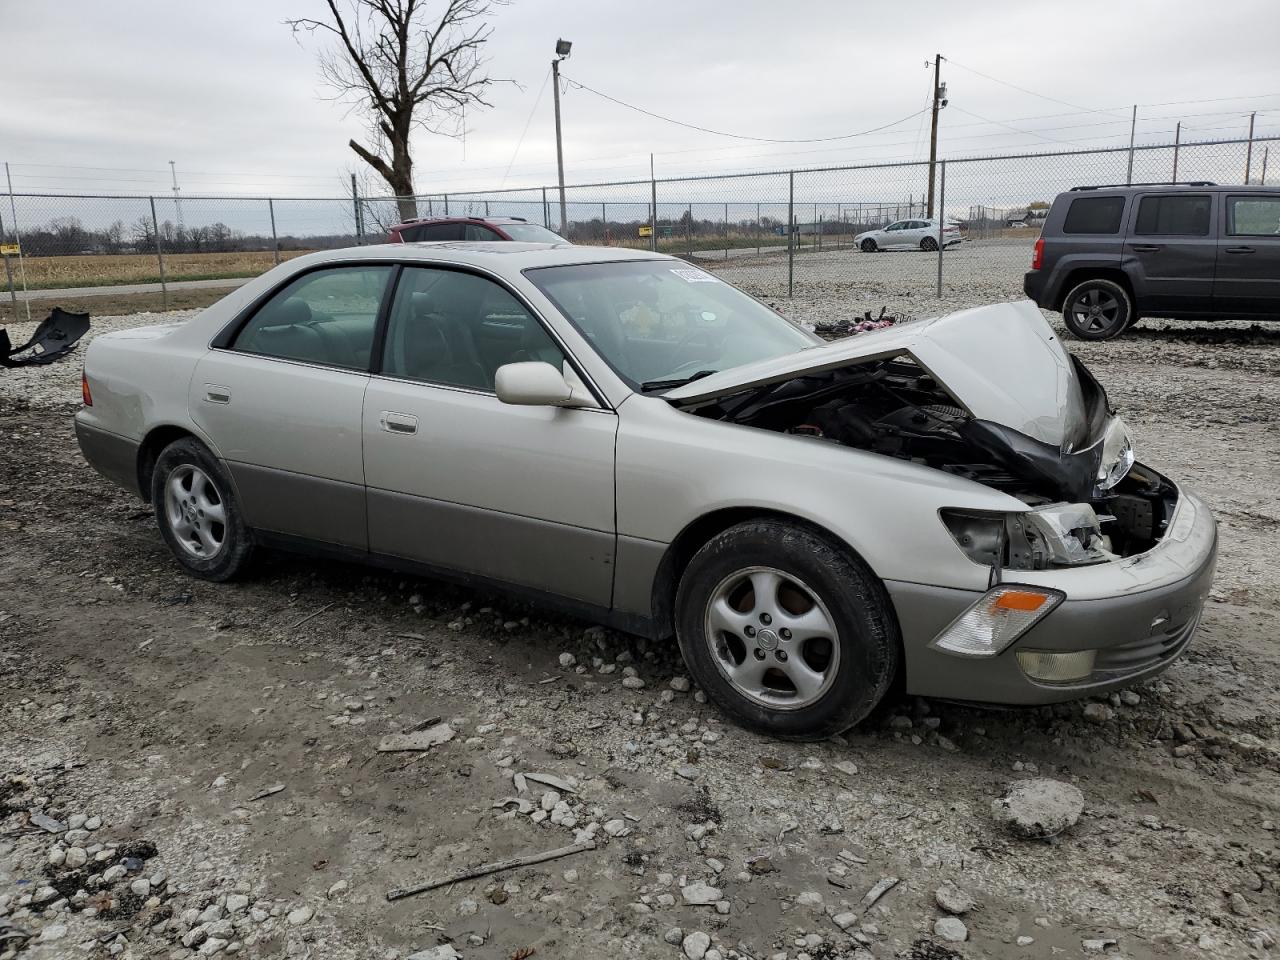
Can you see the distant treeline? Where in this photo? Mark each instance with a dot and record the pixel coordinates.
(67, 236)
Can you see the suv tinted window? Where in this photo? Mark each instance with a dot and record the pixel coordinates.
(473, 231)
(457, 329)
(1253, 216)
(432, 231)
(1173, 216)
(1094, 215)
(326, 316)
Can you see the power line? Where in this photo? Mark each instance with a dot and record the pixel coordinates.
(733, 136)
(1014, 86)
(519, 143)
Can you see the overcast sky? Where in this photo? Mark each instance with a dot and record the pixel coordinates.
(102, 95)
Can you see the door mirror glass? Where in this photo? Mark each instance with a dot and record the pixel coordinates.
(537, 384)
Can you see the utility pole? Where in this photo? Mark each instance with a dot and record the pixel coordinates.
(562, 50)
(1248, 157)
(177, 200)
(939, 101)
(1133, 129)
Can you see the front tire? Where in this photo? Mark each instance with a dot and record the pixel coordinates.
(197, 512)
(867, 246)
(786, 633)
(929, 245)
(1097, 309)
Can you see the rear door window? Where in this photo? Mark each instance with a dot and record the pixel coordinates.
(1094, 215)
(475, 231)
(325, 316)
(1253, 216)
(1174, 216)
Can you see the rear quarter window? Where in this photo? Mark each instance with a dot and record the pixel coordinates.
(1098, 215)
(1253, 216)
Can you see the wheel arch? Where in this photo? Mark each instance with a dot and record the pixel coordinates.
(698, 532)
(1078, 275)
(156, 439)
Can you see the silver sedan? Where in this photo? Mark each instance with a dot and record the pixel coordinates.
(950, 504)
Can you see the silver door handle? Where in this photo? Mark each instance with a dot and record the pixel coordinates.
(216, 394)
(393, 422)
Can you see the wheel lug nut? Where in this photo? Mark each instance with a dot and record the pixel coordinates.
(750, 631)
(781, 655)
(784, 633)
(759, 654)
(766, 619)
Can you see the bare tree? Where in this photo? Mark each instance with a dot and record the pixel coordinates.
(404, 64)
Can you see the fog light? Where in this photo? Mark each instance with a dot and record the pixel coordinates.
(1001, 616)
(1054, 666)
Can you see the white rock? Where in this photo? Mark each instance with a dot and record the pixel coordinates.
(442, 952)
(1097, 946)
(845, 920)
(467, 907)
(300, 916)
(674, 936)
(56, 931)
(337, 890)
(1025, 941)
(616, 828)
(114, 873)
(951, 929)
(633, 683)
(141, 887)
(57, 856)
(699, 894)
(952, 899)
(93, 823)
(695, 945)
(76, 858)
(1038, 809)
(680, 684)
(567, 660)
(210, 914)
(237, 902)
(810, 898)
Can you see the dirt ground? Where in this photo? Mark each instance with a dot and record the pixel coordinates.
(166, 707)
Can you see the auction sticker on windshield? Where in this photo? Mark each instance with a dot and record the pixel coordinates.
(694, 276)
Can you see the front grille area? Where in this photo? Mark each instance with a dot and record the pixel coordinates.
(1139, 656)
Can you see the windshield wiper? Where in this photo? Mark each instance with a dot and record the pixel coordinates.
(675, 382)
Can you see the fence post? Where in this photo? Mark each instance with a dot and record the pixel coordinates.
(155, 232)
(1177, 142)
(688, 228)
(1133, 130)
(17, 238)
(1248, 155)
(758, 225)
(1263, 182)
(726, 231)
(8, 270)
(791, 246)
(942, 220)
(653, 211)
(355, 211)
(546, 217)
(446, 204)
(275, 241)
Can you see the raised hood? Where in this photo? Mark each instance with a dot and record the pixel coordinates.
(1003, 363)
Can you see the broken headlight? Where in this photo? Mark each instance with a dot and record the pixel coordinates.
(1117, 454)
(1059, 535)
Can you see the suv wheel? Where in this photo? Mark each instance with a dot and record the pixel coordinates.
(197, 512)
(1097, 310)
(868, 245)
(928, 244)
(787, 634)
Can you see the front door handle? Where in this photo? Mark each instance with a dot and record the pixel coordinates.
(214, 393)
(1239, 249)
(1145, 247)
(393, 422)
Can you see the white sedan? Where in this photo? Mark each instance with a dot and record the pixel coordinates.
(908, 235)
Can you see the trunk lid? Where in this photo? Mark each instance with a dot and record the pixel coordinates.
(1001, 362)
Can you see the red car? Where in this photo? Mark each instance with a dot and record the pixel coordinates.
(472, 228)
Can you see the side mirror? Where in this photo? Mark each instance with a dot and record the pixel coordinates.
(538, 384)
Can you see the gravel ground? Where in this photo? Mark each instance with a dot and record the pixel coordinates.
(151, 718)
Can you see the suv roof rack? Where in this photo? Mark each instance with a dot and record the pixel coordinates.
(1155, 183)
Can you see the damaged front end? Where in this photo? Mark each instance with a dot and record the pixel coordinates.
(989, 395)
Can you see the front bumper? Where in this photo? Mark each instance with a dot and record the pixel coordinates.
(1138, 613)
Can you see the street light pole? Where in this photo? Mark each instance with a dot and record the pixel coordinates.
(562, 50)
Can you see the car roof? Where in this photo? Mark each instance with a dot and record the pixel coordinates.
(1191, 187)
(497, 255)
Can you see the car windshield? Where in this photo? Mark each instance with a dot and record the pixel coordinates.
(662, 323)
(531, 233)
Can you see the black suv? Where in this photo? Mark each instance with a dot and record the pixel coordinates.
(1194, 251)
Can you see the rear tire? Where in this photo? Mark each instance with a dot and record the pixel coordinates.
(929, 245)
(868, 246)
(197, 512)
(1097, 309)
(786, 633)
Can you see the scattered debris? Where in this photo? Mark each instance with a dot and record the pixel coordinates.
(879, 890)
(552, 781)
(311, 616)
(497, 867)
(53, 338)
(269, 791)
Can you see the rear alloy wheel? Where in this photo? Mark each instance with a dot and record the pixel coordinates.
(787, 634)
(1097, 310)
(197, 512)
(868, 245)
(928, 245)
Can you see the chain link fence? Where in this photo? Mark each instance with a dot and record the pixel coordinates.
(777, 234)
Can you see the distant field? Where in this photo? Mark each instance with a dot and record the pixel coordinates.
(45, 273)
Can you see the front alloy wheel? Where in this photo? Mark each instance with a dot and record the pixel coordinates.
(786, 630)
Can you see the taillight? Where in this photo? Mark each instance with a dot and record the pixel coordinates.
(1037, 258)
(85, 395)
